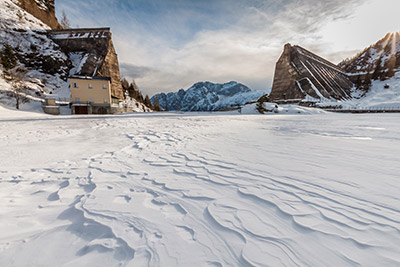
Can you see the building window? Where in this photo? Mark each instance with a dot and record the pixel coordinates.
(105, 100)
(75, 85)
(91, 100)
(90, 86)
(77, 100)
(104, 86)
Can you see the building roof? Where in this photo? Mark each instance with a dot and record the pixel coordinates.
(90, 78)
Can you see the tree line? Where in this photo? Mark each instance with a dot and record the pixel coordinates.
(134, 93)
(13, 74)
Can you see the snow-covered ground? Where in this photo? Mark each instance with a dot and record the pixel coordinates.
(378, 97)
(200, 190)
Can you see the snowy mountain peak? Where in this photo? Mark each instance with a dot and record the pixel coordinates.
(207, 96)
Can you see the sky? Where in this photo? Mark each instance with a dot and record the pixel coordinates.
(165, 45)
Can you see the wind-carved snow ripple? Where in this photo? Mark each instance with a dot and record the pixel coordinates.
(170, 199)
(253, 216)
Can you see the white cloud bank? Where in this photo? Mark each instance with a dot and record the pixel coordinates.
(165, 48)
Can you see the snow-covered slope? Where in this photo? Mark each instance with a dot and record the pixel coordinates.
(378, 70)
(46, 67)
(377, 98)
(207, 96)
(381, 59)
(204, 190)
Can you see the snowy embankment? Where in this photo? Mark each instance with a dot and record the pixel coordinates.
(168, 190)
(377, 98)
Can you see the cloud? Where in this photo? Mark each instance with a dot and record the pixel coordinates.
(133, 71)
(167, 45)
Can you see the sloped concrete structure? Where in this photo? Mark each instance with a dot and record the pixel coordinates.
(300, 74)
(95, 51)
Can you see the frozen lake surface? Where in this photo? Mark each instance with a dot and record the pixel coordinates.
(200, 190)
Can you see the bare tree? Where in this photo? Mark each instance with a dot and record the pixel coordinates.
(18, 90)
(64, 21)
(16, 77)
(13, 74)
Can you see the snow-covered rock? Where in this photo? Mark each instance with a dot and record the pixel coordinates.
(38, 56)
(382, 95)
(378, 60)
(207, 96)
(46, 66)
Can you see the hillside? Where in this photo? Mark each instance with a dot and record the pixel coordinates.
(376, 74)
(207, 96)
(43, 61)
(44, 65)
(380, 61)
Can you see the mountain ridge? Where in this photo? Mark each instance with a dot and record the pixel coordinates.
(207, 96)
(379, 61)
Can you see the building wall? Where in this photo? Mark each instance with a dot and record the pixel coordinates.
(86, 94)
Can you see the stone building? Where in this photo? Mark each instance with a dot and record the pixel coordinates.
(300, 74)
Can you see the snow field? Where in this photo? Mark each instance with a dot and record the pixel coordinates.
(200, 190)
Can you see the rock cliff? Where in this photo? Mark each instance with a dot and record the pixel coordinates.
(44, 10)
(45, 66)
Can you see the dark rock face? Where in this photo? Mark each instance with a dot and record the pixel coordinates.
(207, 96)
(379, 61)
(43, 10)
(300, 73)
(96, 46)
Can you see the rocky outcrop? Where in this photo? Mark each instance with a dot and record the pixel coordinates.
(43, 10)
(300, 74)
(96, 53)
(207, 96)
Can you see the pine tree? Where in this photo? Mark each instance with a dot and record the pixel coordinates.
(125, 84)
(156, 105)
(367, 80)
(8, 58)
(391, 66)
(140, 97)
(378, 69)
(147, 102)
